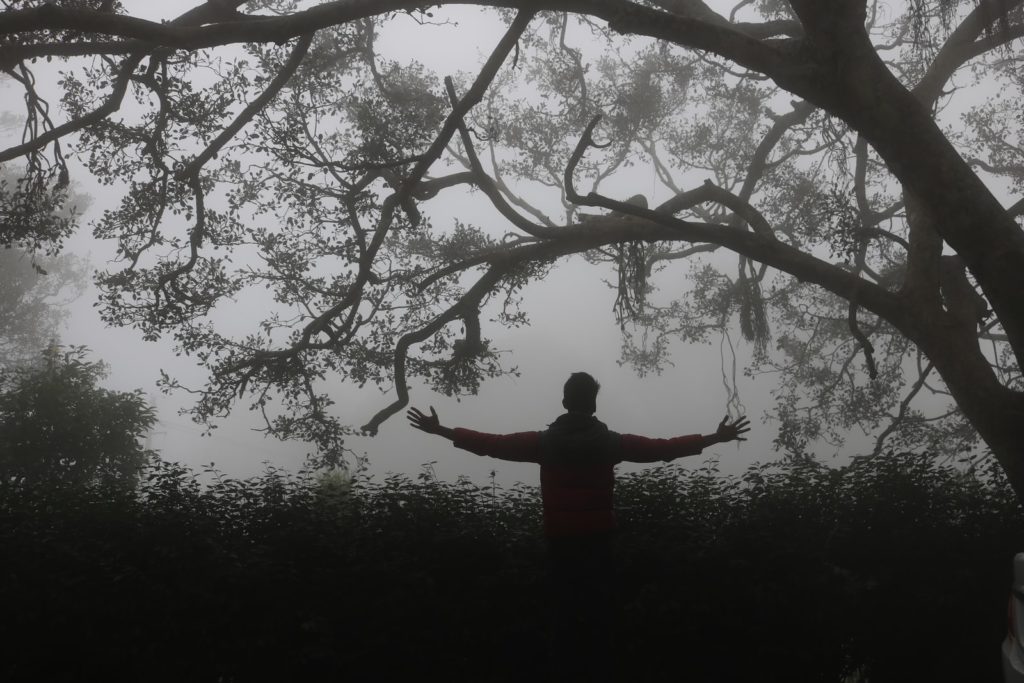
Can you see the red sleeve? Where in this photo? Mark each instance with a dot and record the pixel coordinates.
(518, 447)
(641, 449)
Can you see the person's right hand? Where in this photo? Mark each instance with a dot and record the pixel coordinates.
(430, 424)
(731, 431)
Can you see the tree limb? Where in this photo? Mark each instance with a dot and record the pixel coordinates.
(112, 104)
(404, 196)
(469, 301)
(622, 16)
(901, 415)
(487, 184)
(963, 44)
(280, 80)
(757, 247)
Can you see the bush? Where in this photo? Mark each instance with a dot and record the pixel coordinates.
(893, 568)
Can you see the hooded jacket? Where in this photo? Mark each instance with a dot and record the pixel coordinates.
(577, 455)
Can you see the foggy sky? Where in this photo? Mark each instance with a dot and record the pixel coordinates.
(572, 329)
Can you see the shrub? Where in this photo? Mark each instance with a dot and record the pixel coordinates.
(892, 568)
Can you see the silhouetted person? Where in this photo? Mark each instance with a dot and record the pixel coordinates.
(577, 454)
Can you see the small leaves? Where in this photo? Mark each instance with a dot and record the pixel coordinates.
(337, 572)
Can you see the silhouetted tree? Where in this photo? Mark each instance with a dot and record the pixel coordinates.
(58, 427)
(818, 143)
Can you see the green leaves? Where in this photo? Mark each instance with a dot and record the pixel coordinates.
(37, 210)
(818, 571)
(59, 428)
(400, 118)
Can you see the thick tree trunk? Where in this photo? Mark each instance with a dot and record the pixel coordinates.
(849, 80)
(971, 219)
(996, 412)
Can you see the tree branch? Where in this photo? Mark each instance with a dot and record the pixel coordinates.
(879, 232)
(741, 208)
(1017, 209)
(468, 302)
(622, 16)
(901, 415)
(709, 192)
(280, 80)
(9, 55)
(487, 184)
(962, 45)
(699, 10)
(112, 104)
(758, 247)
(403, 196)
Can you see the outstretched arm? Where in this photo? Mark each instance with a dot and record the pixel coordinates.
(430, 424)
(519, 447)
(641, 449)
(728, 431)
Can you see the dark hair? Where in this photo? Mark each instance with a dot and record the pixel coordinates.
(580, 393)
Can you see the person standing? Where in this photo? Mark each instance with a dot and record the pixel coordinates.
(577, 455)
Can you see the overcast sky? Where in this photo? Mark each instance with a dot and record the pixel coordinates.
(572, 329)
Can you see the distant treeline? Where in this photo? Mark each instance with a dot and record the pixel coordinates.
(893, 568)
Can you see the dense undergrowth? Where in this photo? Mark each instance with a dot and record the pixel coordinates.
(890, 569)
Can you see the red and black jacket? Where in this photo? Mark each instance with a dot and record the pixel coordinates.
(577, 455)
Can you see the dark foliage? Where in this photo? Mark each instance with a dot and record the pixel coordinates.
(60, 428)
(890, 569)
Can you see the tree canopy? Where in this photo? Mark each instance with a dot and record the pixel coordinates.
(59, 428)
(843, 179)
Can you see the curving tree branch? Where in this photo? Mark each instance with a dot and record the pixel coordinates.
(276, 85)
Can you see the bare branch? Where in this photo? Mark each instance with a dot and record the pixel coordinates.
(901, 415)
(488, 185)
(741, 208)
(676, 255)
(865, 343)
(759, 162)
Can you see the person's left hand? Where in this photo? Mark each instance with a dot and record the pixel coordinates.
(731, 431)
(430, 424)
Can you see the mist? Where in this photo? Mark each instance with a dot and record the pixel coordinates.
(611, 341)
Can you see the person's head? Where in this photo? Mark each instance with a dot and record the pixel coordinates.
(580, 393)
